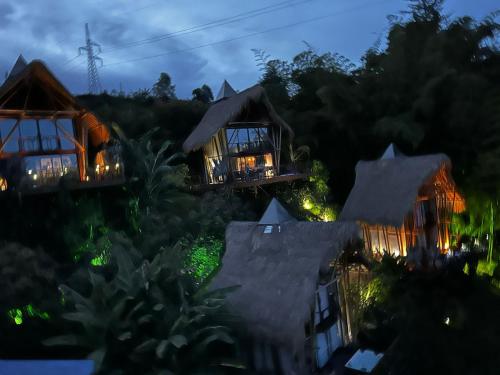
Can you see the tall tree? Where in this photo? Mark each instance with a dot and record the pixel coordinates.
(163, 88)
(203, 94)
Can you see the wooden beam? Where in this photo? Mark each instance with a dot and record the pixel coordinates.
(8, 155)
(243, 124)
(69, 137)
(35, 113)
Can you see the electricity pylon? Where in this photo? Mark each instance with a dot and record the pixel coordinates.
(92, 56)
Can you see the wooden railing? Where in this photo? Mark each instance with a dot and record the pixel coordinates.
(256, 176)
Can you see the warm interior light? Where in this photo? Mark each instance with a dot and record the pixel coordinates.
(35, 176)
(117, 166)
(3, 184)
(107, 168)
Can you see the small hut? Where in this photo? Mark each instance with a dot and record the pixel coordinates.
(46, 135)
(239, 141)
(404, 202)
(288, 296)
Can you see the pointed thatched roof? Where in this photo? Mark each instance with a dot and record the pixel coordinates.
(275, 214)
(226, 110)
(392, 152)
(385, 190)
(226, 91)
(278, 274)
(18, 67)
(36, 70)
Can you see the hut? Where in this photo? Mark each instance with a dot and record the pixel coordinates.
(404, 204)
(239, 141)
(288, 295)
(47, 136)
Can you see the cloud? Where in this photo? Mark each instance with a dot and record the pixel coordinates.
(52, 30)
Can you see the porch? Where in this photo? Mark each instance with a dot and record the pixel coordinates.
(250, 179)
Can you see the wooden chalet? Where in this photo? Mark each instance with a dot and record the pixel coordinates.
(238, 141)
(404, 203)
(289, 295)
(48, 138)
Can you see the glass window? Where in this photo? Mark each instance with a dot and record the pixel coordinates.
(6, 126)
(231, 135)
(48, 134)
(242, 136)
(29, 135)
(32, 164)
(50, 167)
(69, 162)
(47, 127)
(253, 135)
(268, 229)
(66, 124)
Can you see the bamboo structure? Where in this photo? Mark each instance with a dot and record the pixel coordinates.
(241, 139)
(404, 203)
(45, 135)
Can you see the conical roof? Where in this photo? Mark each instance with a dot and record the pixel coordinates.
(275, 214)
(226, 91)
(392, 152)
(18, 67)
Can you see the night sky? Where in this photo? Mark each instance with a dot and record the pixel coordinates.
(52, 30)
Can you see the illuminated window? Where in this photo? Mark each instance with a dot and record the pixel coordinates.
(50, 167)
(268, 229)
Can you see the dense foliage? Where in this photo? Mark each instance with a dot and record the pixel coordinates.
(134, 259)
(437, 322)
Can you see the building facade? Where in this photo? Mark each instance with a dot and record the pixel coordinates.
(47, 137)
(290, 295)
(239, 141)
(404, 204)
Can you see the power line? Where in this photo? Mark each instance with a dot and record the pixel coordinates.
(212, 24)
(193, 29)
(310, 20)
(70, 60)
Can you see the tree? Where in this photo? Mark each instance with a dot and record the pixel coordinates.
(163, 88)
(203, 94)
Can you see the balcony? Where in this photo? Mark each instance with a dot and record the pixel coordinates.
(45, 181)
(252, 177)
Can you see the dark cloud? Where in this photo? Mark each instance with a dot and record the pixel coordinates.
(52, 30)
(6, 11)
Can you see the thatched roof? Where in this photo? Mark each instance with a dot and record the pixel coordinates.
(18, 67)
(226, 91)
(226, 110)
(385, 190)
(275, 214)
(37, 70)
(278, 275)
